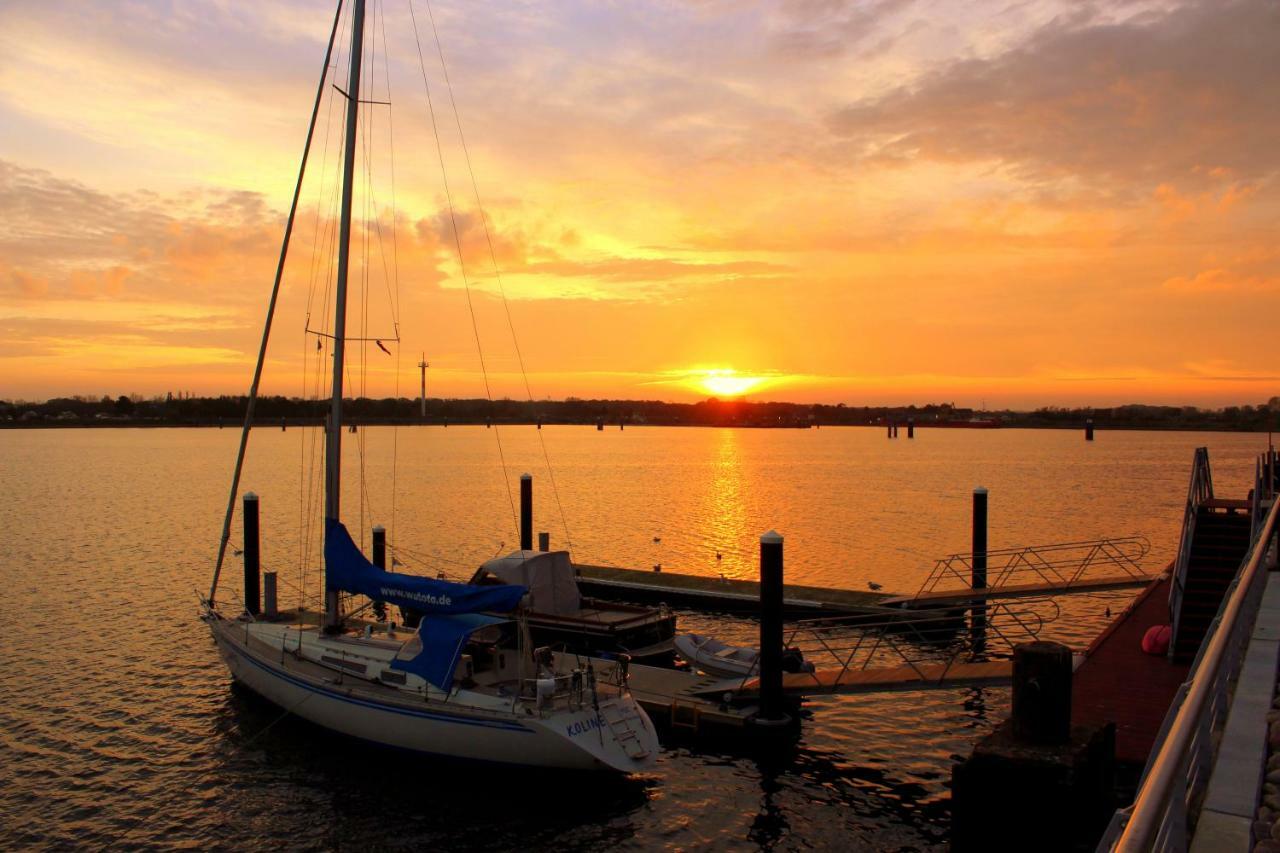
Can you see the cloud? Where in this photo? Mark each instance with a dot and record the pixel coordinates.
(1127, 103)
(1222, 281)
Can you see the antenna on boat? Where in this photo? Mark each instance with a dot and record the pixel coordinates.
(333, 447)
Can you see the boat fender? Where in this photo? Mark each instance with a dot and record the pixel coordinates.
(546, 688)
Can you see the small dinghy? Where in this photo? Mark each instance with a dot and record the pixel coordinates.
(716, 658)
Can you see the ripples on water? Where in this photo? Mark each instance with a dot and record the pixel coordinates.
(118, 724)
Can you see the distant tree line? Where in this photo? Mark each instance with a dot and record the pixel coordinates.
(190, 410)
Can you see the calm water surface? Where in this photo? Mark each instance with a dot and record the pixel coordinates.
(118, 724)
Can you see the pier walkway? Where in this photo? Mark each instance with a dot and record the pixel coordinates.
(1119, 683)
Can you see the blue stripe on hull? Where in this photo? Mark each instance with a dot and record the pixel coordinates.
(409, 712)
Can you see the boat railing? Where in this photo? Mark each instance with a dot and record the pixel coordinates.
(1061, 565)
(930, 645)
(1199, 490)
(1182, 759)
(573, 690)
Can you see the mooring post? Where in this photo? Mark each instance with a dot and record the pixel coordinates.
(252, 555)
(1042, 692)
(979, 538)
(1036, 776)
(544, 541)
(889, 434)
(599, 424)
(911, 428)
(1088, 429)
(380, 546)
(771, 708)
(269, 608)
(380, 560)
(526, 512)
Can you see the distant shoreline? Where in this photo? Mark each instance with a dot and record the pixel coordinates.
(274, 424)
(271, 412)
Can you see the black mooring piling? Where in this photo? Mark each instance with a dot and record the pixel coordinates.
(1042, 692)
(526, 512)
(979, 538)
(911, 428)
(889, 431)
(252, 555)
(269, 607)
(380, 560)
(772, 712)
(380, 546)
(1088, 430)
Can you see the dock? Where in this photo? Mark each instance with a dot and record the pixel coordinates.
(727, 595)
(907, 677)
(962, 597)
(1121, 684)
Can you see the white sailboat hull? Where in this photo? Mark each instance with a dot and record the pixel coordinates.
(579, 740)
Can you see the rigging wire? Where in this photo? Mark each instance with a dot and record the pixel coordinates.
(462, 269)
(395, 258)
(493, 256)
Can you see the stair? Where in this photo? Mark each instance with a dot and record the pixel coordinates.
(620, 723)
(1218, 546)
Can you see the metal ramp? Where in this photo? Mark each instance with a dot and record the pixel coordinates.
(1033, 571)
(857, 655)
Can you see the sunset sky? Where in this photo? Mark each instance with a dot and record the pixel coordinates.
(884, 201)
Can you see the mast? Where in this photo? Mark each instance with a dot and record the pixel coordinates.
(333, 445)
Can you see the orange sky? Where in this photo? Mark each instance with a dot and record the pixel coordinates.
(883, 201)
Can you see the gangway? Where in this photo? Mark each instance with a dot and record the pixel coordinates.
(1032, 571)
(857, 655)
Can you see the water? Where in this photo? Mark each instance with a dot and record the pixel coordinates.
(118, 724)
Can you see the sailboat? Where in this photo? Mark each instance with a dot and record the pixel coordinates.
(465, 683)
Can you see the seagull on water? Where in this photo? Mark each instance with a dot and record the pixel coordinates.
(875, 587)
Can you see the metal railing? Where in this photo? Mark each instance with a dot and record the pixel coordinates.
(1264, 490)
(1162, 816)
(1061, 565)
(1199, 490)
(930, 646)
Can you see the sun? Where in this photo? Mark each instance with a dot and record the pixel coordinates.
(728, 383)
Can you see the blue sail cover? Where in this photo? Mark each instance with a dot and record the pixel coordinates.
(440, 643)
(347, 569)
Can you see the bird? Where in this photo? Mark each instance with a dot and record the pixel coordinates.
(657, 567)
(657, 539)
(875, 587)
(719, 556)
(395, 563)
(237, 552)
(381, 347)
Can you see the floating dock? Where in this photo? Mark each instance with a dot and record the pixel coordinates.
(725, 595)
(1120, 683)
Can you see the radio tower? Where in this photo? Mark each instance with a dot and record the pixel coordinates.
(422, 366)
